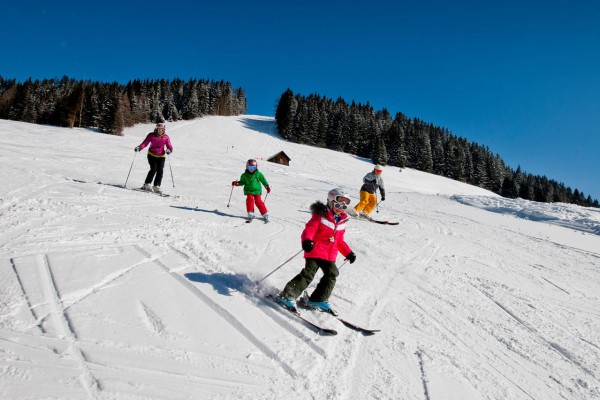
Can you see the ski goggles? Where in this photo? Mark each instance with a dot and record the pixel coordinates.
(341, 202)
(251, 167)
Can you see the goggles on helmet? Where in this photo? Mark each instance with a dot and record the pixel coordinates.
(341, 202)
(251, 167)
(378, 171)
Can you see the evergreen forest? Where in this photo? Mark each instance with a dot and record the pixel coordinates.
(110, 107)
(409, 142)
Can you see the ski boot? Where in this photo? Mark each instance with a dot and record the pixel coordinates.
(146, 186)
(321, 306)
(289, 304)
(266, 218)
(157, 189)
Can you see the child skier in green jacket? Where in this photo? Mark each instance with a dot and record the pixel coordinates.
(251, 180)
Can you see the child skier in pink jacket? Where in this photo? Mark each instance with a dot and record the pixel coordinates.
(322, 239)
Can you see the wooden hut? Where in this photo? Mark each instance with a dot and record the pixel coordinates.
(280, 158)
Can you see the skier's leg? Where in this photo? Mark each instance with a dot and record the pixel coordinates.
(152, 169)
(260, 204)
(364, 200)
(372, 202)
(250, 203)
(327, 282)
(296, 286)
(160, 165)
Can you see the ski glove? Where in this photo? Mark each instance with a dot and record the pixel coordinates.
(382, 198)
(268, 189)
(351, 257)
(137, 148)
(308, 245)
(235, 183)
(168, 151)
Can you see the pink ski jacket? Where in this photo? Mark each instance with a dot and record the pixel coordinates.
(327, 234)
(157, 144)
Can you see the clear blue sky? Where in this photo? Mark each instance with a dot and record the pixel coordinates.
(521, 77)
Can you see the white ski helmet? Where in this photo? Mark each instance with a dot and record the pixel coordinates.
(379, 167)
(340, 196)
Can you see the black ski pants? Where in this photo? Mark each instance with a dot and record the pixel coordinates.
(300, 282)
(157, 164)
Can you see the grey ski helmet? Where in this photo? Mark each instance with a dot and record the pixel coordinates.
(339, 196)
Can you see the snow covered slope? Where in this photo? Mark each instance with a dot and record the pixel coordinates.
(109, 293)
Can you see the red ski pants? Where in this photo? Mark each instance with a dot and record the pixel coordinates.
(255, 198)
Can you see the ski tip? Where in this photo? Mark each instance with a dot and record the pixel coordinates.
(370, 333)
(328, 332)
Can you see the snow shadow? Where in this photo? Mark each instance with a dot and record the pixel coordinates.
(216, 212)
(224, 284)
(266, 127)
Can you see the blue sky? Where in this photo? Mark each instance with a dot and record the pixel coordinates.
(521, 77)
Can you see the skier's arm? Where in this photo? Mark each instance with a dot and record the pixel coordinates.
(344, 248)
(311, 228)
(263, 180)
(145, 142)
(381, 188)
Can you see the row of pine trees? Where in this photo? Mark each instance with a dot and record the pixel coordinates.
(110, 107)
(352, 128)
(399, 141)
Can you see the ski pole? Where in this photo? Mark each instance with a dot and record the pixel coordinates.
(134, 155)
(344, 263)
(169, 159)
(228, 201)
(377, 205)
(285, 262)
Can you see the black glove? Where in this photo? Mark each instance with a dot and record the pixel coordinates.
(308, 245)
(168, 151)
(137, 148)
(382, 198)
(351, 257)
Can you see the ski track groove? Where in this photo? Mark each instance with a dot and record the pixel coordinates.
(225, 315)
(553, 284)
(36, 318)
(469, 348)
(565, 354)
(88, 381)
(419, 354)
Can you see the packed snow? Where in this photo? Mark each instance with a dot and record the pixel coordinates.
(111, 293)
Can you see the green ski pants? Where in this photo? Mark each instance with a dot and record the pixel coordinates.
(300, 282)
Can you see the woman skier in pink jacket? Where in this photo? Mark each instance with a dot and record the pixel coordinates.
(156, 155)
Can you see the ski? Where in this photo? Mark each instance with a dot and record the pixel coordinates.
(376, 221)
(384, 222)
(365, 331)
(316, 328)
(152, 192)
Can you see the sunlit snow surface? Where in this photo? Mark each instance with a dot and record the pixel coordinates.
(109, 293)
